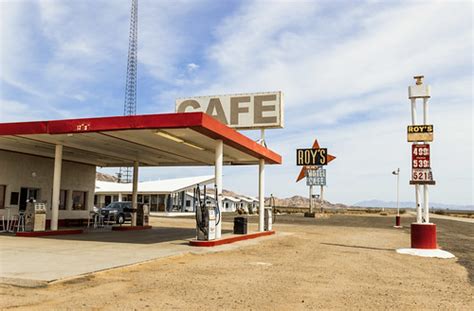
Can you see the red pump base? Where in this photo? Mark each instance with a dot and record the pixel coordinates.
(423, 236)
(397, 221)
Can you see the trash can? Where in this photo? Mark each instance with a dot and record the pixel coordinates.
(140, 215)
(240, 225)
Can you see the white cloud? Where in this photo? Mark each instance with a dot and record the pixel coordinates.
(379, 49)
(16, 111)
(192, 67)
(69, 51)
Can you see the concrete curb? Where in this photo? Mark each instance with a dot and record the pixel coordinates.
(433, 253)
(23, 282)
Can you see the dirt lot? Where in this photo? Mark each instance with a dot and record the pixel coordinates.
(343, 262)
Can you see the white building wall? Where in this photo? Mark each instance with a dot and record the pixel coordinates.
(101, 199)
(19, 170)
(229, 205)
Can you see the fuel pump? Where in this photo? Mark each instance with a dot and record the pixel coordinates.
(269, 217)
(35, 216)
(29, 215)
(146, 214)
(40, 217)
(207, 216)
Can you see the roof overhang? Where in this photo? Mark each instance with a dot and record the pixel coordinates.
(164, 186)
(175, 139)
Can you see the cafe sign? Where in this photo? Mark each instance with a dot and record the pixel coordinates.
(239, 111)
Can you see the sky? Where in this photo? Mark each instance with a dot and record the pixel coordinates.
(343, 66)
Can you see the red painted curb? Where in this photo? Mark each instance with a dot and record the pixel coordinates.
(130, 228)
(231, 239)
(423, 236)
(47, 233)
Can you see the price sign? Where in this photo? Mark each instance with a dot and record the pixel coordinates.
(421, 167)
(422, 174)
(420, 156)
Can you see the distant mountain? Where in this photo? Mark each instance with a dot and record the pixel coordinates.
(380, 203)
(303, 202)
(105, 177)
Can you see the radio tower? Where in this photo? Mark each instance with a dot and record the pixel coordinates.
(130, 103)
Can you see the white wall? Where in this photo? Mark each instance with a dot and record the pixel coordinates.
(19, 170)
(232, 205)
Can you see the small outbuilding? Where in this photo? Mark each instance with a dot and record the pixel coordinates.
(167, 195)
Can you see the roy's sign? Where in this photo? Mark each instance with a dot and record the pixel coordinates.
(420, 133)
(317, 156)
(242, 111)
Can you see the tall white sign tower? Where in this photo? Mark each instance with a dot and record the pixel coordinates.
(423, 233)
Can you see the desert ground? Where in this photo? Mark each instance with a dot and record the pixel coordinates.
(342, 262)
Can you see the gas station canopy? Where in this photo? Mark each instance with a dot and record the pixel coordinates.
(175, 139)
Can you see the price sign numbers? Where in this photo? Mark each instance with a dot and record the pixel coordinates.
(422, 175)
(420, 156)
(421, 164)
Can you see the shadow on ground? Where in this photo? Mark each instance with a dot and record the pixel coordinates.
(150, 236)
(360, 247)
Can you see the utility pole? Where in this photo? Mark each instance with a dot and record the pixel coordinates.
(397, 218)
(130, 103)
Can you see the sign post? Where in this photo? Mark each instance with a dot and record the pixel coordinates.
(313, 161)
(315, 176)
(423, 233)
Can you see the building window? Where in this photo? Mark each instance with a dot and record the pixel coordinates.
(154, 203)
(188, 203)
(79, 199)
(62, 199)
(14, 198)
(26, 195)
(3, 189)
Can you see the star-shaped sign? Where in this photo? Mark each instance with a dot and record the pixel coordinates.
(304, 168)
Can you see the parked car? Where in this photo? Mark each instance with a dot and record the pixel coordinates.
(118, 212)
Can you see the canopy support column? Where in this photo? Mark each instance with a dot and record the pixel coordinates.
(134, 192)
(219, 154)
(261, 194)
(58, 160)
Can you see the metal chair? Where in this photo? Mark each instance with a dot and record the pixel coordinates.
(4, 229)
(21, 222)
(11, 222)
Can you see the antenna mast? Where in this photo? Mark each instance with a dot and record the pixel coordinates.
(130, 103)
